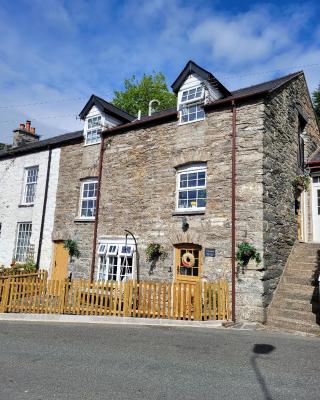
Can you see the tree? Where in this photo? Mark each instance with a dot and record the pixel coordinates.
(138, 94)
(316, 101)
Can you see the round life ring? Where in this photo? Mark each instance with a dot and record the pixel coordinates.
(188, 260)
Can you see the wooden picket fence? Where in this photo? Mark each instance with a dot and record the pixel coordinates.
(185, 301)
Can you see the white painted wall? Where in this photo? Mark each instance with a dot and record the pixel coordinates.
(106, 120)
(194, 80)
(11, 186)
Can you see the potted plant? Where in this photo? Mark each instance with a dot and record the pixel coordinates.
(301, 183)
(73, 250)
(155, 252)
(245, 253)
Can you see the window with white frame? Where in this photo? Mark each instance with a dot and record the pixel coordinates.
(117, 262)
(192, 95)
(93, 129)
(192, 113)
(24, 232)
(191, 187)
(191, 105)
(88, 198)
(30, 184)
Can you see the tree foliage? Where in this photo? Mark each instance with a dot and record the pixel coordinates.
(316, 101)
(137, 94)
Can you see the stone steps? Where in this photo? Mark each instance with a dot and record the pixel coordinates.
(296, 315)
(300, 280)
(293, 325)
(296, 306)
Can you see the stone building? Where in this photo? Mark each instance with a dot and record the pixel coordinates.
(168, 180)
(28, 180)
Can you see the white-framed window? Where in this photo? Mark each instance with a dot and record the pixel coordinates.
(191, 187)
(24, 232)
(118, 263)
(88, 198)
(102, 249)
(30, 184)
(191, 113)
(192, 95)
(93, 129)
(191, 105)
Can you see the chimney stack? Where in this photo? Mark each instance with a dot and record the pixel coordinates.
(25, 134)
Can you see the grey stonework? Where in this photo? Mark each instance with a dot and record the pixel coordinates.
(77, 162)
(139, 187)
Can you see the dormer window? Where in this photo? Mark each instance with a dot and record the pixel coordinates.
(192, 95)
(92, 130)
(191, 105)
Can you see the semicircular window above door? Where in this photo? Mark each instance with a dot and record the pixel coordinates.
(188, 261)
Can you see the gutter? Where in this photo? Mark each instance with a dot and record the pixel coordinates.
(44, 208)
(96, 219)
(141, 123)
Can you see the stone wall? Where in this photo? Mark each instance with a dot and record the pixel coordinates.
(77, 162)
(280, 166)
(139, 187)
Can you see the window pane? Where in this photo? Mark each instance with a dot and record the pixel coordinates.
(23, 241)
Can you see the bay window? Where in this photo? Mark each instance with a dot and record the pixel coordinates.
(116, 262)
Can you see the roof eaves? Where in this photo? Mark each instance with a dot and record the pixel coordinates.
(137, 124)
(55, 141)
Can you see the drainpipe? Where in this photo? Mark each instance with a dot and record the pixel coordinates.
(233, 211)
(44, 208)
(96, 220)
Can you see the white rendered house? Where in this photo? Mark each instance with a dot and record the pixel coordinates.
(29, 173)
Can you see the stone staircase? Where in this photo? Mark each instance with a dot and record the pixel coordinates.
(295, 305)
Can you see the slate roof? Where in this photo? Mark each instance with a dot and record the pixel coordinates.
(106, 107)
(42, 144)
(171, 114)
(256, 90)
(192, 67)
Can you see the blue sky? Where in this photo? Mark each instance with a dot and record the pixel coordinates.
(55, 53)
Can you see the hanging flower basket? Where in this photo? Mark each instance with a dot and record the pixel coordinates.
(301, 183)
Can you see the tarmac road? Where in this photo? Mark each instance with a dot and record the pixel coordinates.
(45, 361)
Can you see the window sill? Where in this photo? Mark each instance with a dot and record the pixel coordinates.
(188, 212)
(25, 205)
(91, 144)
(84, 219)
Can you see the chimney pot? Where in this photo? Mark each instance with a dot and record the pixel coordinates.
(22, 126)
(33, 130)
(28, 125)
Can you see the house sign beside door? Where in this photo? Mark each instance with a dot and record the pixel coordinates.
(210, 252)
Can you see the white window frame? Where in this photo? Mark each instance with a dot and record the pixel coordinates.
(194, 99)
(191, 168)
(95, 129)
(82, 198)
(112, 249)
(21, 256)
(104, 260)
(187, 107)
(26, 184)
(102, 249)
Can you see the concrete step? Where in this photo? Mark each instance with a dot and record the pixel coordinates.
(294, 304)
(301, 272)
(297, 315)
(287, 294)
(307, 265)
(300, 280)
(293, 325)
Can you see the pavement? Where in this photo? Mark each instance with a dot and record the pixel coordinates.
(40, 361)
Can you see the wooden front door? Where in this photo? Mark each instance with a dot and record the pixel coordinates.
(60, 261)
(188, 263)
